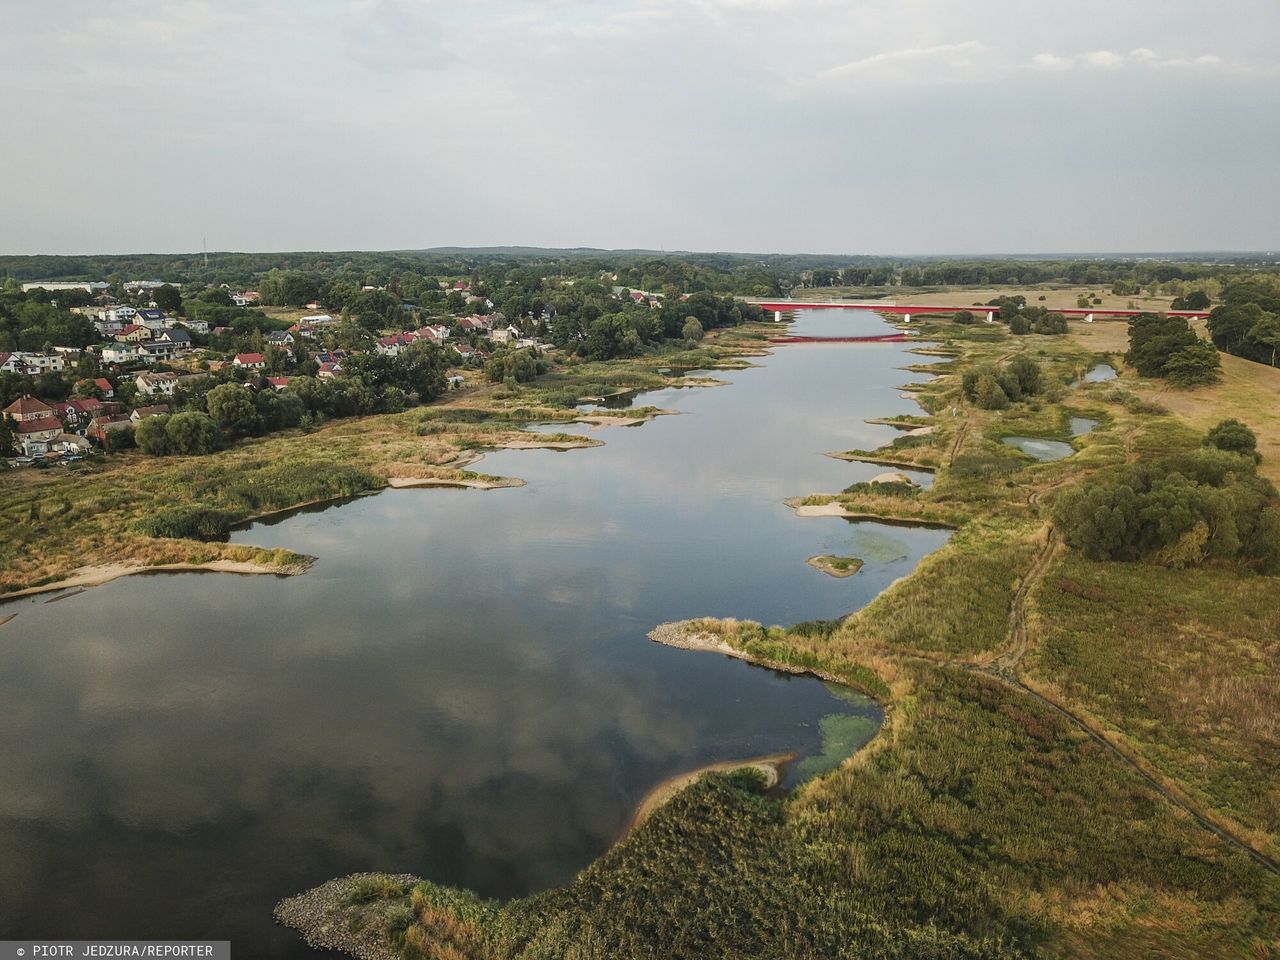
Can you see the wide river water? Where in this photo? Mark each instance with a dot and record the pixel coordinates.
(460, 688)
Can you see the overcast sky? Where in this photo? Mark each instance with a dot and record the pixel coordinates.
(869, 126)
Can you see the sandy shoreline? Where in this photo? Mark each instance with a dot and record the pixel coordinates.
(883, 462)
(678, 634)
(471, 483)
(835, 508)
(771, 767)
(95, 576)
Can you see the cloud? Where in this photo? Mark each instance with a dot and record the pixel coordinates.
(1141, 58)
(908, 62)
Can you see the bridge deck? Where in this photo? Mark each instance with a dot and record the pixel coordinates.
(785, 306)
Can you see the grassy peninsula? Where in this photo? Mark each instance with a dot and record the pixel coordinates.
(1079, 757)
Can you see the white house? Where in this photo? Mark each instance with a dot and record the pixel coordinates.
(250, 361)
(157, 384)
(118, 352)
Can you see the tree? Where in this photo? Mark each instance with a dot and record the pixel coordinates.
(1230, 326)
(232, 409)
(692, 329)
(8, 437)
(988, 394)
(151, 436)
(1267, 331)
(962, 317)
(1193, 365)
(1195, 300)
(191, 433)
(1154, 339)
(167, 298)
(1233, 436)
(1027, 372)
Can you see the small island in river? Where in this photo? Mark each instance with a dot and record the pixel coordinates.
(839, 567)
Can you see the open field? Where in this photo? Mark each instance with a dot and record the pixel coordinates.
(1249, 392)
(1079, 759)
(1055, 296)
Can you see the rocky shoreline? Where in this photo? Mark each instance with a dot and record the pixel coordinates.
(321, 916)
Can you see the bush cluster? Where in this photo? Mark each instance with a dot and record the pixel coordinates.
(1161, 346)
(192, 522)
(1177, 512)
(994, 388)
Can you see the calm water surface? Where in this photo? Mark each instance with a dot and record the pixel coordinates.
(460, 688)
(1101, 372)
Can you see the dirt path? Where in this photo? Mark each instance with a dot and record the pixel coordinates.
(957, 442)
(1004, 668)
(1006, 664)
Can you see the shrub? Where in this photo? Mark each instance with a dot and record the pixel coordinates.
(989, 394)
(1234, 437)
(191, 523)
(151, 436)
(191, 433)
(364, 889)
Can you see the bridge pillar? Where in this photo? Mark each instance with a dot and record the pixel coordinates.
(991, 316)
(1088, 318)
(906, 318)
(777, 316)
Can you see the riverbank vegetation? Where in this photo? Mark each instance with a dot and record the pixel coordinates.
(155, 510)
(1079, 754)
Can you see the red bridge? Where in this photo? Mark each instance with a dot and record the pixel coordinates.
(907, 310)
(883, 338)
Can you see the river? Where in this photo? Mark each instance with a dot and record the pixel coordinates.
(460, 688)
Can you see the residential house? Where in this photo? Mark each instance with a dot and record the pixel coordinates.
(508, 334)
(464, 350)
(32, 364)
(135, 333)
(196, 326)
(155, 350)
(277, 383)
(329, 370)
(69, 444)
(249, 361)
(153, 319)
(121, 313)
(280, 338)
(179, 338)
(395, 344)
(157, 384)
(141, 413)
(78, 413)
(434, 333)
(101, 428)
(119, 352)
(103, 384)
(35, 423)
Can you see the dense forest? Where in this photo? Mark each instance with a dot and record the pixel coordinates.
(737, 273)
